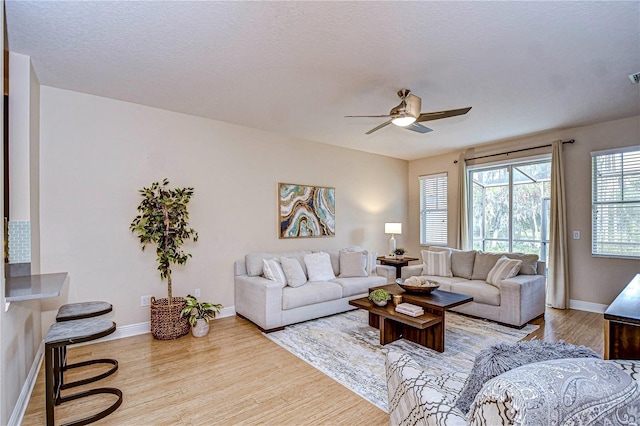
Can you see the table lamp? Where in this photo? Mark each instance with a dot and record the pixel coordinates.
(392, 228)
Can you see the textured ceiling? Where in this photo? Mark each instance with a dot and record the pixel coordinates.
(297, 68)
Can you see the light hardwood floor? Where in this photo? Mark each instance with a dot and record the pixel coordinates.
(237, 376)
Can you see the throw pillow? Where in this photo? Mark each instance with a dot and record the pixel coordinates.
(482, 265)
(497, 359)
(436, 263)
(353, 264)
(578, 391)
(319, 266)
(273, 271)
(503, 269)
(293, 272)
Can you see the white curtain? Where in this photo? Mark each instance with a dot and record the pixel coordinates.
(558, 279)
(463, 212)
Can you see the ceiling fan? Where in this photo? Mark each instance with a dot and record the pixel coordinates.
(408, 115)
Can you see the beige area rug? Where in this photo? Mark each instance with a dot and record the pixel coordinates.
(347, 349)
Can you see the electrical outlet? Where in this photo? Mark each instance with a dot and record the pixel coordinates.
(576, 235)
(197, 292)
(635, 78)
(145, 300)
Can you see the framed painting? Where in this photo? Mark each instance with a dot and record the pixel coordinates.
(306, 211)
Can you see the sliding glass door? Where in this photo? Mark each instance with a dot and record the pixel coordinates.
(509, 207)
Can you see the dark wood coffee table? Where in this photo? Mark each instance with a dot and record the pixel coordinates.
(426, 330)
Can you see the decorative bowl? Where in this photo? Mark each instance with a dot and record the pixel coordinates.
(414, 289)
(380, 303)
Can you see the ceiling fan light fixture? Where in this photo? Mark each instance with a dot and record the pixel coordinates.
(403, 121)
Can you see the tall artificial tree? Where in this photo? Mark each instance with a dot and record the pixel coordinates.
(163, 221)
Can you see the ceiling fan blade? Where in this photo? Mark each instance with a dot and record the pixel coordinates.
(414, 103)
(437, 115)
(418, 128)
(372, 116)
(386, 123)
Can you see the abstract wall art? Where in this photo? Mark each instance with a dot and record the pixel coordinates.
(306, 211)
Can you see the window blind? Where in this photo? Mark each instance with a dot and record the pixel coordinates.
(616, 203)
(433, 209)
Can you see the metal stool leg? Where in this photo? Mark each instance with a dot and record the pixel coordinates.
(102, 414)
(61, 335)
(89, 379)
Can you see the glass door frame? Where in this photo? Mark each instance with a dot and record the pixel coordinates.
(510, 165)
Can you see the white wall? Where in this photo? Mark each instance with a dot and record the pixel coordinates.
(19, 129)
(96, 153)
(592, 279)
(20, 325)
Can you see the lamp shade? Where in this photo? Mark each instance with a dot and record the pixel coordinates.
(393, 228)
(403, 121)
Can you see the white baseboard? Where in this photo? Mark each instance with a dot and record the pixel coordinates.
(145, 327)
(227, 312)
(30, 381)
(581, 305)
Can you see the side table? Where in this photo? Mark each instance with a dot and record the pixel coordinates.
(622, 324)
(398, 263)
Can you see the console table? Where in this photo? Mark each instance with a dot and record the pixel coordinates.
(622, 324)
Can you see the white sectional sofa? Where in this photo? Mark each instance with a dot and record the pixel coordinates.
(272, 302)
(514, 301)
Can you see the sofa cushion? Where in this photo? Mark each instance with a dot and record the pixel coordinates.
(273, 271)
(293, 271)
(529, 262)
(358, 285)
(503, 269)
(309, 294)
(462, 263)
(479, 290)
(445, 282)
(353, 264)
(482, 265)
(436, 263)
(334, 255)
(503, 357)
(319, 266)
(254, 263)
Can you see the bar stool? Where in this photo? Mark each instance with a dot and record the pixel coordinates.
(59, 336)
(73, 311)
(77, 311)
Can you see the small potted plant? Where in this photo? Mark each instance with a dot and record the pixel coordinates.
(199, 314)
(380, 297)
(399, 252)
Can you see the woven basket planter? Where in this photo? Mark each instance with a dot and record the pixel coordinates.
(166, 322)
